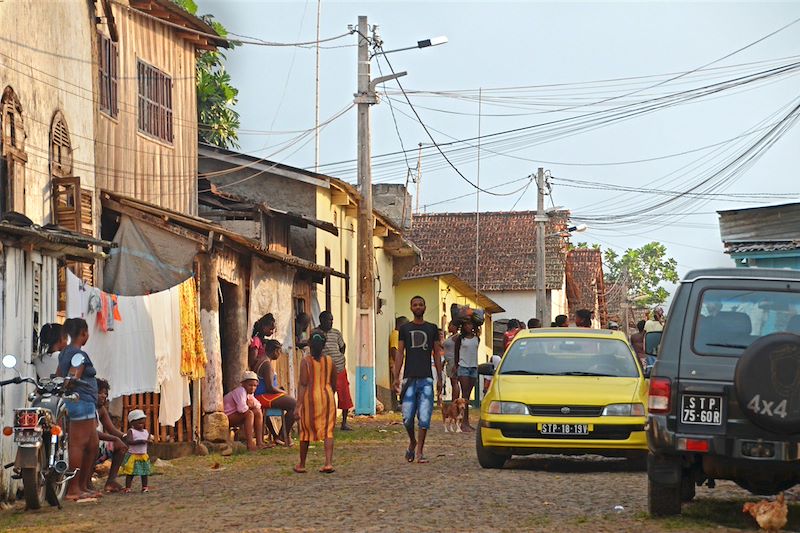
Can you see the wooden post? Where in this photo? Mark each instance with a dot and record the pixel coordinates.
(235, 335)
(209, 323)
(215, 423)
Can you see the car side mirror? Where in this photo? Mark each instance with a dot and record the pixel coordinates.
(651, 342)
(486, 369)
(77, 360)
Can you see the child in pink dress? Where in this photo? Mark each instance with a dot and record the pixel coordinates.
(137, 462)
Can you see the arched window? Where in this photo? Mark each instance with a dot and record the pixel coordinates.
(60, 147)
(12, 154)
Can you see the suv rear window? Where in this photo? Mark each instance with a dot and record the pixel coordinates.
(730, 320)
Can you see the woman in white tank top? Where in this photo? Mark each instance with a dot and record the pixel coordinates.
(466, 356)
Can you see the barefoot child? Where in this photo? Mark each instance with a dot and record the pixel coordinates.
(316, 408)
(137, 462)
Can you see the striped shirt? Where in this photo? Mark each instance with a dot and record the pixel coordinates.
(334, 345)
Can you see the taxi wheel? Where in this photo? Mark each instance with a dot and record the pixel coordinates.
(486, 458)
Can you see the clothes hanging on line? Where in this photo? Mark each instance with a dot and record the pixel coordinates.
(193, 355)
(165, 314)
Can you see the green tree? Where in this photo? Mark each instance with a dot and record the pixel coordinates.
(643, 269)
(218, 121)
(583, 246)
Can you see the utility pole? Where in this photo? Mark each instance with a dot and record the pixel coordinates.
(364, 98)
(541, 255)
(365, 370)
(316, 102)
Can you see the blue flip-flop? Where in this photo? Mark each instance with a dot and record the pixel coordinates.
(410, 456)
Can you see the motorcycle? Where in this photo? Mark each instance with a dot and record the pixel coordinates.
(40, 432)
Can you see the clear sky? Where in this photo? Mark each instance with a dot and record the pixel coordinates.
(536, 45)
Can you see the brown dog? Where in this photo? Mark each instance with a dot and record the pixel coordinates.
(453, 414)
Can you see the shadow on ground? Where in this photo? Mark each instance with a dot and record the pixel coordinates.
(587, 464)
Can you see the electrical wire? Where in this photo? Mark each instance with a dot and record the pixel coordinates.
(460, 174)
(561, 128)
(246, 40)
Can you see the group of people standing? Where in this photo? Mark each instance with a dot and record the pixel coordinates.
(89, 419)
(322, 374)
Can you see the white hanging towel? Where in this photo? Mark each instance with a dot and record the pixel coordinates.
(174, 388)
(126, 355)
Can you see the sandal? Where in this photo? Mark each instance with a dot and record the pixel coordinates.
(423, 460)
(299, 469)
(410, 456)
(145, 489)
(126, 490)
(327, 470)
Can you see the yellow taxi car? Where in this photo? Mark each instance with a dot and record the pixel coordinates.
(568, 391)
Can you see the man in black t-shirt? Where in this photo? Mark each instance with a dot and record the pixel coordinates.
(419, 340)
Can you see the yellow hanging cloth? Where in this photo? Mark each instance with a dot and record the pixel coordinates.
(193, 350)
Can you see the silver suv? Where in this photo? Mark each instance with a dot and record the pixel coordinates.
(725, 390)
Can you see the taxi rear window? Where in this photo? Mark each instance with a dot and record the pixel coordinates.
(730, 320)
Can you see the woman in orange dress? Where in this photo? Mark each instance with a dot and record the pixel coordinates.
(316, 408)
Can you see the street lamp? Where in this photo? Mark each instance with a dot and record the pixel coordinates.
(425, 43)
(364, 98)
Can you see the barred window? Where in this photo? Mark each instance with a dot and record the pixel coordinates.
(155, 102)
(108, 74)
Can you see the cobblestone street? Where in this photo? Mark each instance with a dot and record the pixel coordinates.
(374, 489)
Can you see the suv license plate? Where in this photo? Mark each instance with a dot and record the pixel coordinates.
(704, 410)
(564, 429)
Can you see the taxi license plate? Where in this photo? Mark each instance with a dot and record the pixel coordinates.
(701, 409)
(564, 429)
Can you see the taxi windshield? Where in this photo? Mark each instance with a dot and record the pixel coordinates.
(560, 356)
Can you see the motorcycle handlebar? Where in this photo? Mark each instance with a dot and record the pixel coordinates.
(10, 381)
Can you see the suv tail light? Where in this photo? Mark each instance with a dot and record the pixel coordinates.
(660, 392)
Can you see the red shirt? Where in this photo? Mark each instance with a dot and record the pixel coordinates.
(508, 336)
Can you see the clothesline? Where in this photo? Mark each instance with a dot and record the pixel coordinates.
(154, 343)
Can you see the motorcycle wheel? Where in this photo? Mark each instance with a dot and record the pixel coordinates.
(33, 486)
(57, 488)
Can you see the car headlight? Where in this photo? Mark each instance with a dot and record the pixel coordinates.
(624, 409)
(508, 408)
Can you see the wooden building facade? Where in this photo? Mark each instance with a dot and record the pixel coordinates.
(146, 117)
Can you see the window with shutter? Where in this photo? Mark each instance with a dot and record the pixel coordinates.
(107, 67)
(155, 102)
(12, 154)
(60, 147)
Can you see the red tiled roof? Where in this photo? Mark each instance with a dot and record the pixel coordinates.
(585, 283)
(507, 248)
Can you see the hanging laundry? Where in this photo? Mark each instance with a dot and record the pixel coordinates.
(193, 357)
(95, 302)
(165, 314)
(125, 356)
(103, 315)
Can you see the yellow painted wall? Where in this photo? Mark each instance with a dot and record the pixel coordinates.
(384, 321)
(343, 246)
(439, 299)
(449, 296)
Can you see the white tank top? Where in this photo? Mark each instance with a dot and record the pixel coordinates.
(468, 353)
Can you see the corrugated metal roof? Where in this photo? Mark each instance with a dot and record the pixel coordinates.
(774, 246)
(760, 224)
